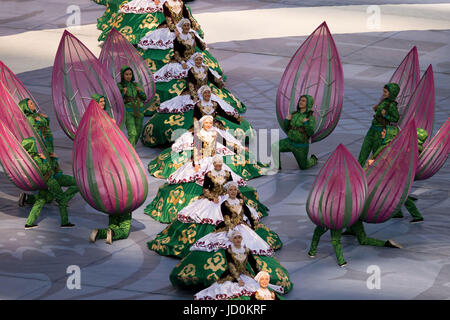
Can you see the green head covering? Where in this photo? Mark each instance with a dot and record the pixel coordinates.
(309, 102)
(30, 146)
(393, 89)
(24, 107)
(122, 71)
(97, 98)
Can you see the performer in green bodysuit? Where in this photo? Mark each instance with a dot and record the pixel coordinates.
(54, 190)
(386, 113)
(39, 121)
(133, 98)
(41, 124)
(422, 136)
(118, 228)
(299, 127)
(387, 134)
(357, 229)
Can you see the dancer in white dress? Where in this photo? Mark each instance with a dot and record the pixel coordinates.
(184, 44)
(236, 216)
(236, 281)
(205, 145)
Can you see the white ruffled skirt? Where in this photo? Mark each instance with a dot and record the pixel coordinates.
(220, 240)
(184, 103)
(186, 173)
(161, 39)
(228, 290)
(202, 211)
(141, 6)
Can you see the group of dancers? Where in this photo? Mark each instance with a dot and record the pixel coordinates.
(213, 216)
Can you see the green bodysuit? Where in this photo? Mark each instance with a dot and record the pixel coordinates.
(40, 123)
(54, 190)
(372, 140)
(133, 101)
(120, 224)
(299, 133)
(422, 136)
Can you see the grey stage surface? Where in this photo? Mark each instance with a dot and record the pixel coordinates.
(33, 263)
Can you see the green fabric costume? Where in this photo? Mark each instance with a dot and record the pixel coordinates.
(39, 122)
(422, 136)
(299, 133)
(54, 188)
(357, 229)
(134, 107)
(120, 224)
(373, 140)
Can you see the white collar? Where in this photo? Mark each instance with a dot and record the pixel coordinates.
(216, 173)
(236, 250)
(266, 293)
(199, 69)
(206, 104)
(186, 37)
(234, 201)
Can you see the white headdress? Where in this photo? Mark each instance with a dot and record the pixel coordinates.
(196, 55)
(218, 159)
(183, 22)
(204, 118)
(230, 184)
(203, 89)
(234, 234)
(261, 274)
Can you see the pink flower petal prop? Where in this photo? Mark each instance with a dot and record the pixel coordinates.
(391, 176)
(14, 119)
(337, 197)
(17, 163)
(316, 70)
(14, 86)
(77, 74)
(118, 52)
(421, 104)
(108, 171)
(434, 153)
(407, 76)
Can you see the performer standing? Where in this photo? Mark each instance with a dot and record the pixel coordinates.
(386, 113)
(133, 96)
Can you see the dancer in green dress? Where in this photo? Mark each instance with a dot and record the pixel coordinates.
(300, 127)
(133, 96)
(386, 114)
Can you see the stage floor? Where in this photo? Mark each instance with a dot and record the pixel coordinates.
(34, 263)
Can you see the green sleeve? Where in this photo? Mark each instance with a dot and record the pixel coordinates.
(379, 150)
(31, 121)
(310, 125)
(285, 125)
(141, 92)
(121, 89)
(392, 114)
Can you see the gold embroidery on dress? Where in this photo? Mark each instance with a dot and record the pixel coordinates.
(215, 263)
(175, 120)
